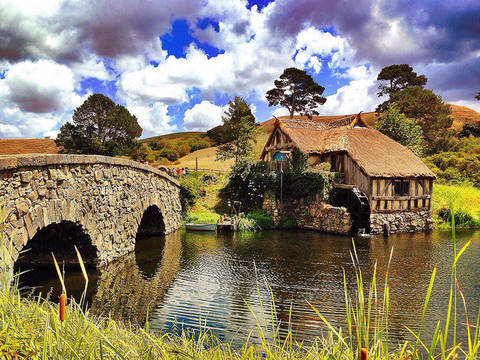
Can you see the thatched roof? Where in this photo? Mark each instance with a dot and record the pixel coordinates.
(375, 153)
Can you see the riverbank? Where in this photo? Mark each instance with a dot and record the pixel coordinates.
(463, 199)
(207, 208)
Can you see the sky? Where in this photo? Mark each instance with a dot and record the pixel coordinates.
(176, 64)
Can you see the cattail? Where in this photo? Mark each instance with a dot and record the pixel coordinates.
(363, 354)
(62, 307)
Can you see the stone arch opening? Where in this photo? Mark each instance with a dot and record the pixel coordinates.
(59, 239)
(150, 241)
(152, 222)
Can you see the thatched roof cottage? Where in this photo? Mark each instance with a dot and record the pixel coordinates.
(392, 177)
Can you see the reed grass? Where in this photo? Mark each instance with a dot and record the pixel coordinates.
(31, 328)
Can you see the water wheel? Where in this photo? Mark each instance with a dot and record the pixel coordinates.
(357, 205)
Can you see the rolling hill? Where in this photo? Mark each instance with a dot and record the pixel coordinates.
(27, 146)
(460, 115)
(206, 157)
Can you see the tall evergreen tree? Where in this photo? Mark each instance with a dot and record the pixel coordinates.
(477, 96)
(298, 92)
(99, 127)
(397, 78)
(239, 124)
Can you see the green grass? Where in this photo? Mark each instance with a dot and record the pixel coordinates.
(463, 198)
(201, 217)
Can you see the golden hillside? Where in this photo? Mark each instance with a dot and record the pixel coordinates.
(27, 146)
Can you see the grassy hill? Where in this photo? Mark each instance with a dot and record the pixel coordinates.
(180, 136)
(206, 157)
(27, 146)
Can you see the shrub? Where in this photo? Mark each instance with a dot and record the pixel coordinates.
(190, 191)
(461, 218)
(169, 153)
(457, 167)
(263, 221)
(246, 224)
(218, 134)
(144, 153)
(182, 149)
(198, 144)
(248, 182)
(288, 223)
(307, 184)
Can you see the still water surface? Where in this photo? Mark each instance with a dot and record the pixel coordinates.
(205, 280)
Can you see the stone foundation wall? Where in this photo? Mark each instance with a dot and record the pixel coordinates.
(405, 221)
(313, 215)
(106, 196)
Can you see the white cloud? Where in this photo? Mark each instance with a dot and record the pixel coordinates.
(280, 112)
(153, 119)
(40, 87)
(203, 116)
(92, 66)
(358, 95)
(36, 98)
(9, 131)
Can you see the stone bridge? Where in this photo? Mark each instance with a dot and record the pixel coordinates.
(98, 203)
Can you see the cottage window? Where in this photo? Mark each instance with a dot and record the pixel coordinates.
(401, 188)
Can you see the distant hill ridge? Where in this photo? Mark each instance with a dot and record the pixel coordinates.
(460, 115)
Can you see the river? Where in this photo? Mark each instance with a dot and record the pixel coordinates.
(205, 280)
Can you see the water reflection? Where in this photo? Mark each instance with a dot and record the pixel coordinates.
(195, 280)
(128, 287)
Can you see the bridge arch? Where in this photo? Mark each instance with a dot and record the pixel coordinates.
(61, 240)
(107, 197)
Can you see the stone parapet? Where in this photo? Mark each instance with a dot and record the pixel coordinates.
(10, 162)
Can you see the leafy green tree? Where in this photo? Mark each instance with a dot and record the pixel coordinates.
(144, 153)
(99, 127)
(170, 154)
(397, 126)
(428, 109)
(296, 91)
(218, 134)
(240, 123)
(396, 78)
(470, 129)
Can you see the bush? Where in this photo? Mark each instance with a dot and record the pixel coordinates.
(198, 144)
(218, 134)
(461, 218)
(190, 191)
(182, 149)
(169, 153)
(248, 183)
(288, 223)
(144, 153)
(457, 167)
(263, 221)
(308, 184)
(246, 224)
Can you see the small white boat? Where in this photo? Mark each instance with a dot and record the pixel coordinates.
(201, 227)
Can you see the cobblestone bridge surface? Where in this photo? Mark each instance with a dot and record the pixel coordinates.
(106, 197)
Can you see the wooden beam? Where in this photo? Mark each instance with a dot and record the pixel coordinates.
(401, 197)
